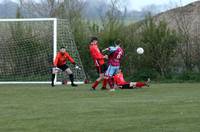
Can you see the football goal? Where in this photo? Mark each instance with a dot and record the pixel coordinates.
(28, 47)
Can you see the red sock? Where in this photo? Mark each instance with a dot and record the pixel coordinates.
(111, 82)
(95, 84)
(140, 84)
(104, 83)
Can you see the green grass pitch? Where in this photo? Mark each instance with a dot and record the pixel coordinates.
(40, 108)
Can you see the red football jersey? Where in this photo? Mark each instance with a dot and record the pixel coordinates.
(119, 79)
(97, 56)
(61, 59)
(116, 55)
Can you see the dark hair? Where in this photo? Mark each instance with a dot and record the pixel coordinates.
(93, 39)
(62, 47)
(118, 42)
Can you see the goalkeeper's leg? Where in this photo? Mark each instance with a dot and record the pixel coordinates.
(52, 79)
(54, 72)
(71, 77)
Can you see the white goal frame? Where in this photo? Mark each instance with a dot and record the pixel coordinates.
(54, 20)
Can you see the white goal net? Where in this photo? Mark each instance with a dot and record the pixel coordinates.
(28, 47)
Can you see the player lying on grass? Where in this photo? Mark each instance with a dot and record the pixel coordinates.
(60, 64)
(116, 54)
(99, 62)
(122, 84)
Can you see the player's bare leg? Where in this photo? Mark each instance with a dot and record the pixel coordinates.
(71, 77)
(111, 83)
(140, 84)
(96, 83)
(104, 83)
(148, 82)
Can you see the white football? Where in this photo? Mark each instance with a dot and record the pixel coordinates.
(140, 50)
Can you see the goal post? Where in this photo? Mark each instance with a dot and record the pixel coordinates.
(29, 46)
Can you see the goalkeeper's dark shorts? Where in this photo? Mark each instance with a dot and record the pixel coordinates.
(102, 69)
(63, 67)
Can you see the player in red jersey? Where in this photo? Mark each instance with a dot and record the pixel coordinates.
(60, 65)
(114, 62)
(99, 62)
(122, 84)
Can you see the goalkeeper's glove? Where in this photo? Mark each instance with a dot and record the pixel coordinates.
(77, 67)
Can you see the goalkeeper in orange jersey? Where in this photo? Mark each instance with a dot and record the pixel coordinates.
(60, 65)
(122, 84)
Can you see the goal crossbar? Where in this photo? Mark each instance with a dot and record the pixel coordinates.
(36, 82)
(27, 19)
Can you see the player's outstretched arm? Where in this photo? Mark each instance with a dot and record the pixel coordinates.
(110, 49)
(105, 57)
(106, 49)
(71, 59)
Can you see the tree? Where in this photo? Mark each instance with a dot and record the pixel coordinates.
(196, 46)
(63, 9)
(132, 40)
(160, 43)
(112, 22)
(185, 48)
